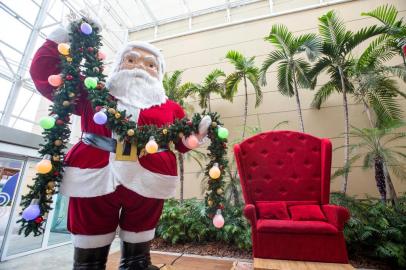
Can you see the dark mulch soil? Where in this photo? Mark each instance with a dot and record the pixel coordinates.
(224, 250)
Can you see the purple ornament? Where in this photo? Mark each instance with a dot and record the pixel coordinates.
(86, 28)
(100, 118)
(31, 212)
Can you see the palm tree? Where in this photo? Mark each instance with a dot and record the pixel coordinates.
(245, 69)
(378, 152)
(209, 86)
(395, 29)
(292, 68)
(178, 92)
(338, 44)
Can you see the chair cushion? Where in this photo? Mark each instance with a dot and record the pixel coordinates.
(297, 227)
(307, 212)
(273, 210)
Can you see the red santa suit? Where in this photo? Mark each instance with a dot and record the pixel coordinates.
(105, 193)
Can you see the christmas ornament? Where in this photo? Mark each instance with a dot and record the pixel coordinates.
(151, 147)
(69, 59)
(218, 220)
(219, 191)
(39, 219)
(45, 165)
(32, 211)
(58, 142)
(60, 122)
(48, 122)
(214, 171)
(91, 82)
(222, 132)
(404, 49)
(210, 203)
(164, 131)
(55, 80)
(63, 48)
(117, 115)
(71, 95)
(51, 185)
(66, 103)
(90, 49)
(69, 77)
(101, 55)
(100, 117)
(86, 28)
(56, 158)
(192, 141)
(112, 110)
(130, 132)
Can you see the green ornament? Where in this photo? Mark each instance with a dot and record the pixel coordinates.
(47, 122)
(91, 82)
(222, 133)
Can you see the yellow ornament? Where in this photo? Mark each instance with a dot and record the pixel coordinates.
(63, 48)
(45, 165)
(112, 110)
(151, 147)
(214, 171)
(49, 191)
(117, 115)
(130, 132)
(69, 59)
(66, 103)
(219, 191)
(71, 94)
(181, 135)
(165, 131)
(210, 203)
(214, 124)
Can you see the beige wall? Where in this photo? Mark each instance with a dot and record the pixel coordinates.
(199, 53)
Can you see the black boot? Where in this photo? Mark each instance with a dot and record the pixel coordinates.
(91, 258)
(136, 256)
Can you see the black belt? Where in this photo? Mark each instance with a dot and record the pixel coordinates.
(104, 143)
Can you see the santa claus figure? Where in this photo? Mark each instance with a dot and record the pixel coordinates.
(107, 193)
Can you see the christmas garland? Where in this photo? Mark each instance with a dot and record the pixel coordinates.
(82, 68)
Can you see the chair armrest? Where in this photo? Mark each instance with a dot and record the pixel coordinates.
(336, 215)
(251, 214)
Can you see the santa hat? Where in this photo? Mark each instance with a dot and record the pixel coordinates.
(144, 46)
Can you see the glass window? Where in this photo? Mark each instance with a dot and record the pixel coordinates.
(59, 232)
(20, 243)
(4, 92)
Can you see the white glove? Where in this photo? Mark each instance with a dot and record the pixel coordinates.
(204, 127)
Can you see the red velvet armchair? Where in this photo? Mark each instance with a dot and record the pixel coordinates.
(285, 179)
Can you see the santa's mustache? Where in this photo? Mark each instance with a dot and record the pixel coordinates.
(135, 73)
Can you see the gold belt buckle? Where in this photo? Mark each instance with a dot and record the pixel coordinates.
(126, 151)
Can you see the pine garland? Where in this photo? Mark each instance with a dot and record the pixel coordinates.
(82, 62)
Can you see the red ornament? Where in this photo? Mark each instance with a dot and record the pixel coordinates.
(80, 49)
(60, 122)
(90, 49)
(210, 215)
(404, 49)
(98, 108)
(39, 220)
(221, 206)
(189, 123)
(56, 173)
(69, 77)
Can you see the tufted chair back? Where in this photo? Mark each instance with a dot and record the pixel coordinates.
(284, 166)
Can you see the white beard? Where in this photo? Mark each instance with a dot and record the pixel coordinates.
(135, 90)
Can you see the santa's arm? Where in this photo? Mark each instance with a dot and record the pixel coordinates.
(47, 62)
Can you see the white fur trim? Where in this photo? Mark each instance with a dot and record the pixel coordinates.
(145, 46)
(137, 237)
(146, 183)
(59, 35)
(92, 241)
(86, 183)
(79, 182)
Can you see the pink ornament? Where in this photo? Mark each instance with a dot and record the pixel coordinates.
(218, 220)
(192, 141)
(101, 55)
(55, 80)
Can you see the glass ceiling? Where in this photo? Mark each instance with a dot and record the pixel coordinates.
(26, 23)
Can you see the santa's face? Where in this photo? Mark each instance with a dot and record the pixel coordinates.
(140, 59)
(136, 85)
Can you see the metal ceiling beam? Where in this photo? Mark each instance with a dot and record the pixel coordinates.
(7, 63)
(29, 49)
(149, 11)
(217, 8)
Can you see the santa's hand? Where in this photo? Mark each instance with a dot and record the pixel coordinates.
(204, 128)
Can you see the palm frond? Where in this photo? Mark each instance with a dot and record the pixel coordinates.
(281, 38)
(386, 14)
(323, 94)
(231, 85)
(310, 44)
(237, 59)
(254, 79)
(272, 58)
(285, 79)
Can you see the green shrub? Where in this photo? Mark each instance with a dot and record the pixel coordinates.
(375, 230)
(187, 222)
